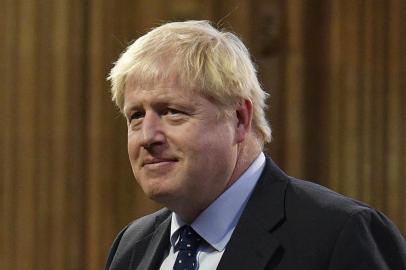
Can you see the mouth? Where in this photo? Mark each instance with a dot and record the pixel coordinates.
(154, 162)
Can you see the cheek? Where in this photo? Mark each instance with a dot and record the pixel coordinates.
(132, 147)
(218, 137)
(213, 145)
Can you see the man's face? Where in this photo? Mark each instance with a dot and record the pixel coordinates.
(182, 152)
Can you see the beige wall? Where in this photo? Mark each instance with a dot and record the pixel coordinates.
(336, 71)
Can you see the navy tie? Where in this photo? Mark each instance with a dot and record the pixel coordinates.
(187, 245)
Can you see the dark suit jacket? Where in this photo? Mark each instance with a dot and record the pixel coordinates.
(287, 224)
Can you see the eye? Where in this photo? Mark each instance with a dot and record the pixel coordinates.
(172, 111)
(174, 116)
(135, 116)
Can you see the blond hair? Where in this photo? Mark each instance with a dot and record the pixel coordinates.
(214, 63)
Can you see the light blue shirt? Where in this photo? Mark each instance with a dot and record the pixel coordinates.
(217, 222)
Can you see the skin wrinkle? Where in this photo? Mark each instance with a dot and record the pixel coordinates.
(193, 160)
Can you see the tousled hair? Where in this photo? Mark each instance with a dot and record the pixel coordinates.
(214, 63)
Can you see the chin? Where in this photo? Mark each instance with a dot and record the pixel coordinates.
(159, 194)
(154, 194)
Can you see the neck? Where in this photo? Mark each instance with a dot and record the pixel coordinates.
(248, 151)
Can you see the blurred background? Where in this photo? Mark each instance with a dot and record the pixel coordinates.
(336, 71)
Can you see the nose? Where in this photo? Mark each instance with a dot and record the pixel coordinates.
(152, 130)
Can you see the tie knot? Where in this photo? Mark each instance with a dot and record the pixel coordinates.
(189, 239)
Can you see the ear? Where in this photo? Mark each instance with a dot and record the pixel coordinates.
(244, 119)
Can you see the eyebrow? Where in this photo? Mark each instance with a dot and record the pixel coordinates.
(159, 103)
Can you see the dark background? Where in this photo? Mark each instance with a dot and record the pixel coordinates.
(336, 73)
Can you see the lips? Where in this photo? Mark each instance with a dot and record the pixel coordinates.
(151, 161)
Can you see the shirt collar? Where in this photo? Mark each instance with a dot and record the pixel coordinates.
(217, 222)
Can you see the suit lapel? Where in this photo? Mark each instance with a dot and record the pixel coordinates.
(157, 246)
(254, 242)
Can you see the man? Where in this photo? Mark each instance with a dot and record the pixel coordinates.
(196, 130)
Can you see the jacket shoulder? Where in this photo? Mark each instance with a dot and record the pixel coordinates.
(316, 206)
(134, 233)
(317, 197)
(333, 226)
(144, 226)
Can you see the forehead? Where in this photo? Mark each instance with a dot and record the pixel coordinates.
(168, 90)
